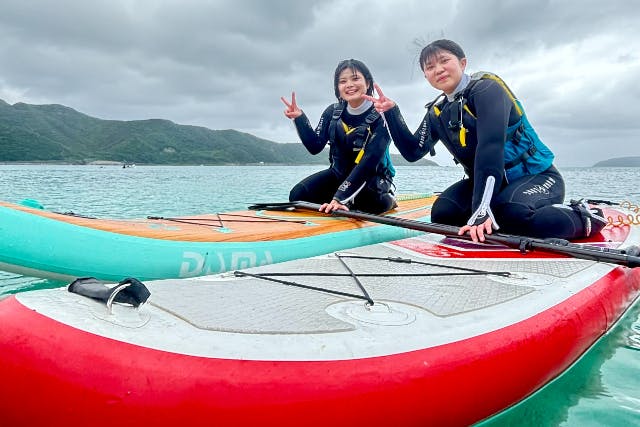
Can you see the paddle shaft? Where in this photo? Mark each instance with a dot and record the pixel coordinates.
(522, 243)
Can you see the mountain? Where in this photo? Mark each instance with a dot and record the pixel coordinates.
(56, 133)
(59, 133)
(621, 162)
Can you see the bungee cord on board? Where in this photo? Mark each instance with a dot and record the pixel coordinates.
(459, 271)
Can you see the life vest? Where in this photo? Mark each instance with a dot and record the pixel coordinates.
(357, 137)
(524, 152)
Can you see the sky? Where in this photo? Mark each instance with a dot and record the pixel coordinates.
(222, 64)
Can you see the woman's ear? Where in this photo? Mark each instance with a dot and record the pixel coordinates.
(463, 63)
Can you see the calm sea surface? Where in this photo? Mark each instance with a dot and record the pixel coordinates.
(602, 389)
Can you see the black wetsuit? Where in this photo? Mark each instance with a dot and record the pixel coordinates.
(528, 205)
(366, 185)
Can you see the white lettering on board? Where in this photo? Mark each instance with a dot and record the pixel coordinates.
(194, 263)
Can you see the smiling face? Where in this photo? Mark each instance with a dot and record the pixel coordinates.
(351, 86)
(444, 70)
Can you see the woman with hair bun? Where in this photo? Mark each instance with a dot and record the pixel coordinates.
(511, 180)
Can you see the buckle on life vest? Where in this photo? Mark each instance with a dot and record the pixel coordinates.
(457, 108)
(523, 157)
(454, 125)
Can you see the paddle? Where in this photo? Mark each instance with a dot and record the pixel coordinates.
(628, 257)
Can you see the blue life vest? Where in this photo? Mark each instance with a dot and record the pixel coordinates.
(524, 152)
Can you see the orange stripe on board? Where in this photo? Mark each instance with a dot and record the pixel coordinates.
(253, 228)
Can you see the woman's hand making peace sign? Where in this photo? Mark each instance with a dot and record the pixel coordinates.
(382, 103)
(292, 111)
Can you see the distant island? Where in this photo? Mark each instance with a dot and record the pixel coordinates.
(620, 162)
(59, 134)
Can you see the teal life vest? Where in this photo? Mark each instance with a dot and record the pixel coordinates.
(524, 151)
(358, 137)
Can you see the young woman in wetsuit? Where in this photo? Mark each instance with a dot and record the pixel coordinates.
(511, 182)
(361, 174)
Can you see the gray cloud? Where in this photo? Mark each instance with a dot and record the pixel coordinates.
(225, 64)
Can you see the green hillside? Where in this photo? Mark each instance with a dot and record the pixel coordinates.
(55, 133)
(623, 162)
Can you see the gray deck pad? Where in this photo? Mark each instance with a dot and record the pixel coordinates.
(254, 305)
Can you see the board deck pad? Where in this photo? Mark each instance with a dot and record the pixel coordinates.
(258, 305)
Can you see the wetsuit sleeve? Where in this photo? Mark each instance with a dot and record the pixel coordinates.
(492, 107)
(415, 146)
(314, 140)
(367, 168)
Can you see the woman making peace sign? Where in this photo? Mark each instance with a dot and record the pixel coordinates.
(511, 180)
(360, 174)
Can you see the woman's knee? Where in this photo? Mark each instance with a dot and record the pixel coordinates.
(513, 217)
(507, 211)
(446, 211)
(387, 202)
(298, 192)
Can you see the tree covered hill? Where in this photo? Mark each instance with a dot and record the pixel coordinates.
(633, 161)
(55, 133)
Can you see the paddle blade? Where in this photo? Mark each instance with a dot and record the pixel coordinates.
(275, 206)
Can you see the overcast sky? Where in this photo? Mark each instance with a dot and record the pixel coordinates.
(575, 64)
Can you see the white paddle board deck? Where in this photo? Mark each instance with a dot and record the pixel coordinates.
(422, 331)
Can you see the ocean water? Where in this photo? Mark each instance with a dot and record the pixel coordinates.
(601, 389)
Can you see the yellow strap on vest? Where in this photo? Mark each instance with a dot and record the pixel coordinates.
(463, 136)
(436, 110)
(504, 86)
(346, 128)
(361, 152)
(348, 131)
(466, 108)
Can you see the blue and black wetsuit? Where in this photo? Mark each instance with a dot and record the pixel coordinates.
(511, 177)
(361, 173)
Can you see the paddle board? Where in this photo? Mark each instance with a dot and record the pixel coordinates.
(420, 331)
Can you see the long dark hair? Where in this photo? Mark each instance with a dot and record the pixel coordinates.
(430, 50)
(353, 65)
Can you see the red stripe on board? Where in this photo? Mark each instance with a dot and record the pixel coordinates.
(610, 236)
(56, 375)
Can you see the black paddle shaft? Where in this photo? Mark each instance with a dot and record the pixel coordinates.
(627, 257)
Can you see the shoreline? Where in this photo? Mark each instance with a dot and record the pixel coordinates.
(127, 165)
